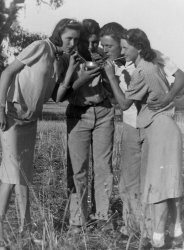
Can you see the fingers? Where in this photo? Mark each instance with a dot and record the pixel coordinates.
(75, 57)
(94, 70)
(95, 74)
(155, 101)
(154, 107)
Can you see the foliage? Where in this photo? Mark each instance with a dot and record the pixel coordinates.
(49, 200)
(7, 17)
(52, 3)
(21, 38)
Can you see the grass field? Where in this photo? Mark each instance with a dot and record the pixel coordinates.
(48, 195)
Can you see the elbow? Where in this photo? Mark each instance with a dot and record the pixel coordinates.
(125, 105)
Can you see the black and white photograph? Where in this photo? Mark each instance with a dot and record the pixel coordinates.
(91, 124)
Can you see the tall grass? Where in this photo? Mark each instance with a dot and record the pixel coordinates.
(49, 201)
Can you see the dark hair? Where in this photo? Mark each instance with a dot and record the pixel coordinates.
(138, 39)
(90, 27)
(61, 26)
(113, 29)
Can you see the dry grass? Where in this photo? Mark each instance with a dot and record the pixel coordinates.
(49, 202)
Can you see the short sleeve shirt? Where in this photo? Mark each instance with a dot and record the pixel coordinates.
(169, 69)
(148, 82)
(34, 84)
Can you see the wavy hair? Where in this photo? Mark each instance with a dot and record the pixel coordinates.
(90, 27)
(60, 27)
(113, 29)
(138, 39)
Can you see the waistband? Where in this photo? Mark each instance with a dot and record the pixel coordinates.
(104, 103)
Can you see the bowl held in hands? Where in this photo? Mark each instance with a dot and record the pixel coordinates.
(89, 65)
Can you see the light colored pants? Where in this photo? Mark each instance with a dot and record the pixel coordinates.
(133, 158)
(89, 127)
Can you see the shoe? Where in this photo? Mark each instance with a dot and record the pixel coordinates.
(92, 217)
(92, 221)
(74, 229)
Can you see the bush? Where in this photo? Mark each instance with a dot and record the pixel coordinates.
(21, 38)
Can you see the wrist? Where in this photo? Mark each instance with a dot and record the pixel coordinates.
(112, 78)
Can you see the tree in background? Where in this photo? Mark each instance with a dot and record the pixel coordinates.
(52, 3)
(21, 38)
(15, 37)
(7, 17)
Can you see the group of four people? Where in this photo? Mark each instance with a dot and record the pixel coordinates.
(150, 171)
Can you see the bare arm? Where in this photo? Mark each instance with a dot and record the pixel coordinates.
(117, 91)
(65, 88)
(6, 79)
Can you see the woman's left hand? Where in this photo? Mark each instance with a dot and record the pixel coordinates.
(74, 62)
(109, 68)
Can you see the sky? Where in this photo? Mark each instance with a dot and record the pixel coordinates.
(162, 20)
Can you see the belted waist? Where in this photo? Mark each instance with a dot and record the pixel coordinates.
(105, 103)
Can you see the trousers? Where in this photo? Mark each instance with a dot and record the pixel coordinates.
(89, 127)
